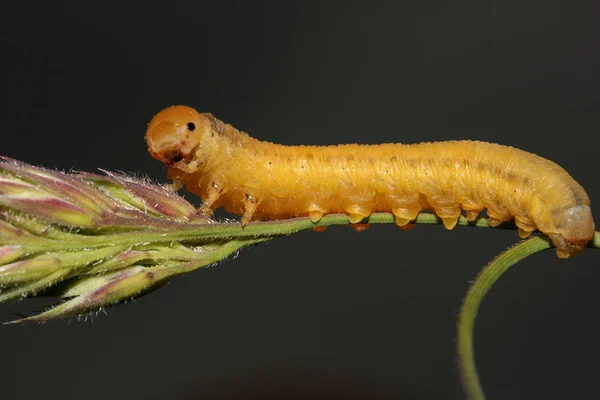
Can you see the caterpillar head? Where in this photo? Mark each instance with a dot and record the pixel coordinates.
(174, 134)
(573, 229)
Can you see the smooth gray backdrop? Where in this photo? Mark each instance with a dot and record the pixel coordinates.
(331, 315)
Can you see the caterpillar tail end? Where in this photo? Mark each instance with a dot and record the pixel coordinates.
(565, 249)
(577, 230)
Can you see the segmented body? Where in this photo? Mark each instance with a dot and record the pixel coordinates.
(259, 180)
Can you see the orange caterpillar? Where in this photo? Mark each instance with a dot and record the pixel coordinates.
(255, 179)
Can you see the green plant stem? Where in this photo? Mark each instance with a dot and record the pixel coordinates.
(207, 232)
(474, 297)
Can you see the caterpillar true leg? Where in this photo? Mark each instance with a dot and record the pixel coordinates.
(214, 192)
(176, 184)
(189, 167)
(250, 204)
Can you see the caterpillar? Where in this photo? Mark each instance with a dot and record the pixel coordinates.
(262, 180)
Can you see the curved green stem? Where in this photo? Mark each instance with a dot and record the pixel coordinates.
(474, 297)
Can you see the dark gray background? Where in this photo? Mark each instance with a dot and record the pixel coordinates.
(337, 314)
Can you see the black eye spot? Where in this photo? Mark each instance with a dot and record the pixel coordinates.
(191, 126)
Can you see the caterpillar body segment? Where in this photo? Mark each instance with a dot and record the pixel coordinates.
(262, 180)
